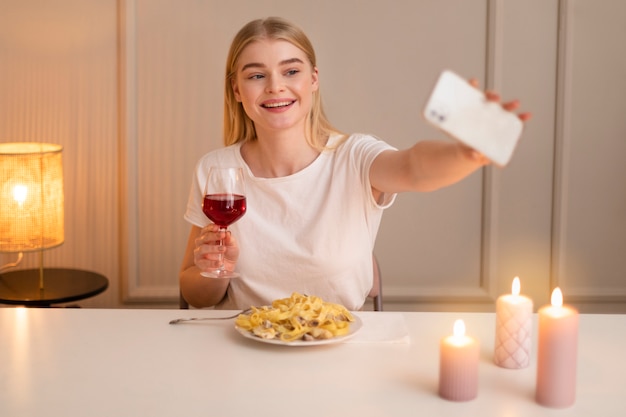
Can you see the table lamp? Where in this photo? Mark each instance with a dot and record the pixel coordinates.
(31, 199)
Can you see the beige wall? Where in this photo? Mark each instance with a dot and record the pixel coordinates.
(132, 89)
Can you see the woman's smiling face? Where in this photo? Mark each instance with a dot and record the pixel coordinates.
(275, 83)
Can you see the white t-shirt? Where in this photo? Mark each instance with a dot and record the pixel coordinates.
(312, 232)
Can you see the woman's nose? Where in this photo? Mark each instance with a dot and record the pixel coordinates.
(274, 85)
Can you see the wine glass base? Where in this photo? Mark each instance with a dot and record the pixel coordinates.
(220, 274)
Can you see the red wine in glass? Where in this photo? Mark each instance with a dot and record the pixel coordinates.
(224, 209)
(224, 202)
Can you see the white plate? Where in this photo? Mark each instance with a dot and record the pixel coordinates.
(355, 326)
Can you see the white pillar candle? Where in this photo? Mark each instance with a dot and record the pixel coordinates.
(556, 354)
(458, 365)
(513, 329)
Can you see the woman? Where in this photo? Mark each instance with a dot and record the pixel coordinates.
(315, 196)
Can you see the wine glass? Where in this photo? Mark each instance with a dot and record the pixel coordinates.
(224, 203)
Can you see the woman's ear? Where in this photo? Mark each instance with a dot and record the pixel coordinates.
(316, 79)
(235, 87)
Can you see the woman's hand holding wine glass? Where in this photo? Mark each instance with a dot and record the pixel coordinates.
(209, 253)
(224, 203)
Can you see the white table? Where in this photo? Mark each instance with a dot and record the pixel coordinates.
(91, 362)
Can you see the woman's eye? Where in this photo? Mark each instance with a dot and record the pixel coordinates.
(255, 77)
(292, 72)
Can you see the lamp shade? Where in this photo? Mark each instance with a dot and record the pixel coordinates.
(31, 196)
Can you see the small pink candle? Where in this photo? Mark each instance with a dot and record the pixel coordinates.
(556, 354)
(514, 314)
(458, 365)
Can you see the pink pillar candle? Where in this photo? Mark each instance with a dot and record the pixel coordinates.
(514, 314)
(556, 354)
(458, 365)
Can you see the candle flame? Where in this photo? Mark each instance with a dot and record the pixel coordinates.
(515, 287)
(557, 297)
(459, 328)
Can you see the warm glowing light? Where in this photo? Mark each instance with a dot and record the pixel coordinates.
(459, 329)
(31, 196)
(19, 193)
(515, 287)
(557, 297)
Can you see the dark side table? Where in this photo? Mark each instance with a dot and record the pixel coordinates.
(61, 285)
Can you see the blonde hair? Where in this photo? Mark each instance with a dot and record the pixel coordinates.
(238, 127)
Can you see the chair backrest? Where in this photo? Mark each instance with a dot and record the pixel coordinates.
(182, 303)
(377, 288)
(376, 294)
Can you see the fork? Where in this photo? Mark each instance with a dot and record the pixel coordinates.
(234, 316)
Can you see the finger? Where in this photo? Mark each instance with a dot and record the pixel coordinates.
(206, 239)
(210, 228)
(208, 251)
(511, 105)
(210, 236)
(514, 105)
(492, 95)
(228, 238)
(480, 158)
(474, 155)
(207, 257)
(207, 265)
(473, 82)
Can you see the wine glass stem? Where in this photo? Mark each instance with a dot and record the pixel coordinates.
(221, 267)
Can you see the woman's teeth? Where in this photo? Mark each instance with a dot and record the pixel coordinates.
(278, 104)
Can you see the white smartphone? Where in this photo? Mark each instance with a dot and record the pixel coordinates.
(462, 111)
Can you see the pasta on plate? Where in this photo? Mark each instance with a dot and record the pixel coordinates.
(299, 317)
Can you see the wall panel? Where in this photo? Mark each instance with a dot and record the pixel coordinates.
(590, 200)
